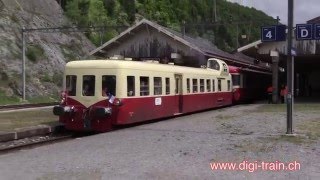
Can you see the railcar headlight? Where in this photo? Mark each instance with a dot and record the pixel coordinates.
(117, 102)
(61, 110)
(103, 112)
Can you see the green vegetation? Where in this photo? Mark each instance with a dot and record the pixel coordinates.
(19, 119)
(43, 99)
(197, 15)
(34, 53)
(8, 99)
(310, 128)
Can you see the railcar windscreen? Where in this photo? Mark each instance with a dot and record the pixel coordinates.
(109, 85)
(71, 85)
(88, 85)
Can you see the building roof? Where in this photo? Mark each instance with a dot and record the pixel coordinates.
(314, 20)
(201, 45)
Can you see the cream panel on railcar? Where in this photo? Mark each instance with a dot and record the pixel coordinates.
(121, 69)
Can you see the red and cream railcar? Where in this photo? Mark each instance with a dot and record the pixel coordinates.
(100, 94)
(248, 85)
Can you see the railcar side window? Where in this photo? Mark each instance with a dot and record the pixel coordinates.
(88, 85)
(167, 85)
(71, 85)
(236, 80)
(188, 85)
(157, 82)
(201, 85)
(229, 85)
(219, 85)
(109, 85)
(208, 85)
(194, 85)
(130, 86)
(213, 85)
(144, 86)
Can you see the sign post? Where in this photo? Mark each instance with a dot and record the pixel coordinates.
(290, 66)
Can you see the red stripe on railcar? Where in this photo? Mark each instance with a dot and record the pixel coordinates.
(141, 109)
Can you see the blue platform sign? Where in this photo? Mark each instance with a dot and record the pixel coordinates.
(304, 32)
(273, 33)
(317, 31)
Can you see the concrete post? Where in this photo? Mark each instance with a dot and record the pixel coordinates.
(275, 76)
(23, 64)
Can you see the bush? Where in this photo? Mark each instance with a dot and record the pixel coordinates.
(34, 53)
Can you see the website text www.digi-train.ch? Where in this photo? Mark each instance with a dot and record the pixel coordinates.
(256, 166)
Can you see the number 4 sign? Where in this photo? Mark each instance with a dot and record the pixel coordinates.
(273, 33)
(269, 33)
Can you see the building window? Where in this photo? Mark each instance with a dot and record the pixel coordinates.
(229, 85)
(157, 82)
(188, 85)
(88, 85)
(201, 85)
(208, 85)
(167, 85)
(194, 85)
(219, 85)
(144, 86)
(130, 86)
(71, 85)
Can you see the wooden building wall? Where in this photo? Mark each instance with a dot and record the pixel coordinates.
(147, 42)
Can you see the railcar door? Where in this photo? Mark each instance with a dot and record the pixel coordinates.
(178, 92)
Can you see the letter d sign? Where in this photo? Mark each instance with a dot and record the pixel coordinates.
(304, 32)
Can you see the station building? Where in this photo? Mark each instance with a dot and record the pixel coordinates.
(149, 40)
(306, 63)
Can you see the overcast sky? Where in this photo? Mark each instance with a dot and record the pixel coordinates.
(303, 9)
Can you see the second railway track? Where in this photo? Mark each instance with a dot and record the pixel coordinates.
(24, 106)
(31, 142)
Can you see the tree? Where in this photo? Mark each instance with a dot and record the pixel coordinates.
(73, 11)
(97, 15)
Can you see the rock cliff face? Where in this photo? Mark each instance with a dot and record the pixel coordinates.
(46, 53)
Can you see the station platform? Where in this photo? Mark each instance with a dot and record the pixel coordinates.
(22, 123)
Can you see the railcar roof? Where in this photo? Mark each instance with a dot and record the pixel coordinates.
(137, 65)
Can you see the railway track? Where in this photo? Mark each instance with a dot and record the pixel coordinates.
(24, 106)
(32, 142)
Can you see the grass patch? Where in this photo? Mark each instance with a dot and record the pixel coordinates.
(268, 144)
(68, 53)
(46, 78)
(223, 117)
(283, 107)
(4, 100)
(248, 146)
(43, 99)
(34, 53)
(19, 119)
(310, 128)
